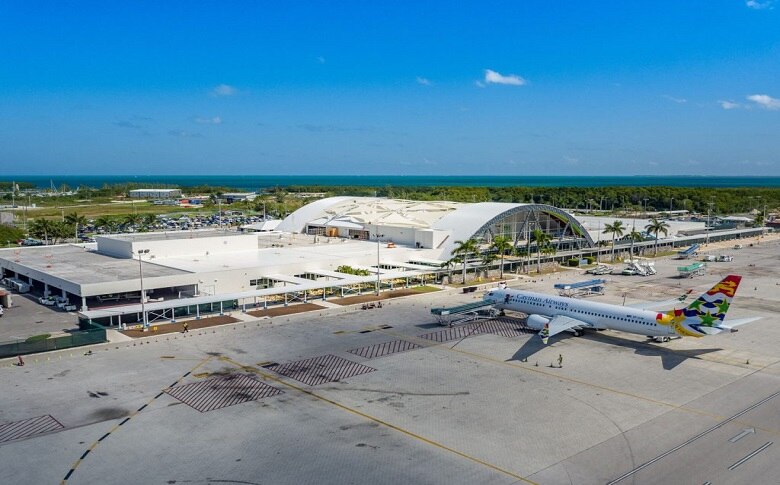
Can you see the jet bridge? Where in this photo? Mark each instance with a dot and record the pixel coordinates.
(688, 253)
(695, 269)
(464, 313)
(581, 288)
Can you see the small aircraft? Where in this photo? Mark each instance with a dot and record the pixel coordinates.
(552, 315)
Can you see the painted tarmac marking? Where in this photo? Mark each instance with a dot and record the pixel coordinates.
(116, 426)
(319, 370)
(384, 348)
(221, 392)
(379, 421)
(25, 428)
(751, 455)
(742, 434)
(698, 436)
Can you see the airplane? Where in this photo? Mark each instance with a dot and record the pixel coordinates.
(551, 315)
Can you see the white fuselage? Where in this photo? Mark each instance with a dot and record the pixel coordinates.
(594, 314)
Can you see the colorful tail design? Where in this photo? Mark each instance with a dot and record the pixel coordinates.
(705, 315)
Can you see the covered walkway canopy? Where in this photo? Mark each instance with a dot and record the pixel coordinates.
(303, 292)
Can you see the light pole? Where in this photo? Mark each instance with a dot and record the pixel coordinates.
(709, 220)
(219, 204)
(377, 235)
(601, 204)
(671, 199)
(144, 318)
(645, 206)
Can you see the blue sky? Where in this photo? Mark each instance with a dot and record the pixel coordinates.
(515, 87)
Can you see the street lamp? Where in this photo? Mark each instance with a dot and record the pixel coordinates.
(671, 199)
(144, 318)
(645, 206)
(378, 285)
(709, 220)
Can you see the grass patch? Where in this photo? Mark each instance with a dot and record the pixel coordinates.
(425, 289)
(37, 338)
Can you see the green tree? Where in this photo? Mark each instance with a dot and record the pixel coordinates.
(148, 221)
(77, 221)
(488, 258)
(462, 251)
(616, 229)
(634, 236)
(542, 239)
(41, 228)
(657, 227)
(104, 222)
(133, 220)
(501, 245)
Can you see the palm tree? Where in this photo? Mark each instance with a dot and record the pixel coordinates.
(634, 236)
(758, 220)
(501, 244)
(132, 220)
(488, 258)
(462, 250)
(542, 239)
(42, 228)
(77, 221)
(148, 221)
(655, 227)
(103, 222)
(448, 265)
(616, 229)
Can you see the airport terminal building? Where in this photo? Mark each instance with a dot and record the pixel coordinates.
(391, 242)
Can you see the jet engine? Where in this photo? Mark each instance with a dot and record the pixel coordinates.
(536, 322)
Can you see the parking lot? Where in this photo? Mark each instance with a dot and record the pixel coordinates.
(27, 317)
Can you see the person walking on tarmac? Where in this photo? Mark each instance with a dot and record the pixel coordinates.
(185, 327)
(560, 360)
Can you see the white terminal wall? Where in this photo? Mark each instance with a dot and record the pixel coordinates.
(171, 248)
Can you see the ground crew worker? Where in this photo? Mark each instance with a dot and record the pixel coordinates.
(185, 326)
(560, 360)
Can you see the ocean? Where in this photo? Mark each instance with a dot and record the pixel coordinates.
(259, 182)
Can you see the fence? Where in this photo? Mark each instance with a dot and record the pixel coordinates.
(93, 335)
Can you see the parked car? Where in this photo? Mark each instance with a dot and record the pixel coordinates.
(31, 242)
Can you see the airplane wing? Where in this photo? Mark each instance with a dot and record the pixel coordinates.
(559, 324)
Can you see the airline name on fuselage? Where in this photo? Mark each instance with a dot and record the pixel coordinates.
(539, 300)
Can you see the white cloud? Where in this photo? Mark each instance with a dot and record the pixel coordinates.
(224, 90)
(728, 104)
(208, 121)
(479, 84)
(571, 160)
(493, 77)
(321, 59)
(759, 5)
(184, 134)
(423, 81)
(765, 101)
(676, 100)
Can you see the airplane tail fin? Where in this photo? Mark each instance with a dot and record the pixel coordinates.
(705, 315)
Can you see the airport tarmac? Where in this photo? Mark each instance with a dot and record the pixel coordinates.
(386, 396)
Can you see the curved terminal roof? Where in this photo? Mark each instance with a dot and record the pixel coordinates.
(461, 220)
(349, 211)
